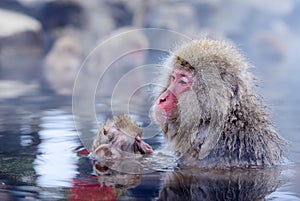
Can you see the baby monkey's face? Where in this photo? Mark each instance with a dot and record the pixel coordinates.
(121, 143)
(129, 142)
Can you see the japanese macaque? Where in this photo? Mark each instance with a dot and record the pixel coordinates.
(119, 138)
(62, 64)
(208, 111)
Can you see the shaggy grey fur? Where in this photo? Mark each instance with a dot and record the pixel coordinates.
(221, 122)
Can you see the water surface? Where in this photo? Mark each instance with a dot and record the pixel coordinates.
(40, 159)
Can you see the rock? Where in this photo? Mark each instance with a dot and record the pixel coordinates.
(21, 44)
(13, 23)
(55, 14)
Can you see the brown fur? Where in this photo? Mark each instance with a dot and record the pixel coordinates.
(221, 122)
(110, 133)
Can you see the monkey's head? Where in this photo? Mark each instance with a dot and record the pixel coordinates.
(120, 137)
(204, 79)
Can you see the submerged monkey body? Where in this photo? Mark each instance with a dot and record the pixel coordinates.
(220, 122)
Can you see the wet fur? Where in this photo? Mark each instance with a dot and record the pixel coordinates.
(109, 133)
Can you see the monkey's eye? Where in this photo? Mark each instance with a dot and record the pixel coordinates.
(183, 80)
(172, 77)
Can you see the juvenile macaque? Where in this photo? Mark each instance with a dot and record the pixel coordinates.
(209, 112)
(119, 138)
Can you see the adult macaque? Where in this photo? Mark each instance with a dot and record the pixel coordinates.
(119, 138)
(208, 111)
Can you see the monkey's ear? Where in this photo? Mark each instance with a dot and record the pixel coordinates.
(104, 131)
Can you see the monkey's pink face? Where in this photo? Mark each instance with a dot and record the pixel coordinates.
(181, 81)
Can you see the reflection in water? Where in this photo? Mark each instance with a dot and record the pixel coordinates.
(115, 179)
(181, 184)
(109, 184)
(55, 164)
(197, 184)
(120, 181)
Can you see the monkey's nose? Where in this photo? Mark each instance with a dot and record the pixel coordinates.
(161, 100)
